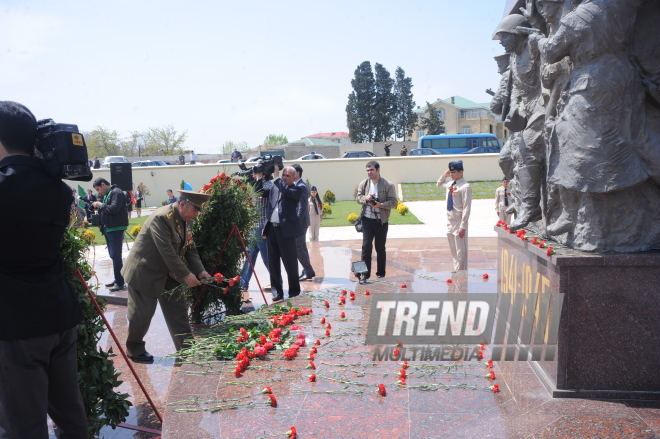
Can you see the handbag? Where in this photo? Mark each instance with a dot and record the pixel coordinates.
(358, 222)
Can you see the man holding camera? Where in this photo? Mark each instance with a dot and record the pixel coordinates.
(39, 309)
(155, 265)
(378, 198)
(114, 219)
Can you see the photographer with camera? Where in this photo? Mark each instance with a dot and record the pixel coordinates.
(262, 185)
(39, 309)
(114, 220)
(378, 197)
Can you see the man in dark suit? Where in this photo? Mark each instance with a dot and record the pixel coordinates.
(301, 241)
(39, 310)
(281, 230)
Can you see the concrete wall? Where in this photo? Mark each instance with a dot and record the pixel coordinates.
(341, 176)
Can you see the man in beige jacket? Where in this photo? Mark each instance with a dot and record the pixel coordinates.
(378, 198)
(459, 203)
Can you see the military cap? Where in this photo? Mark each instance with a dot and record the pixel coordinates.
(505, 179)
(197, 200)
(456, 166)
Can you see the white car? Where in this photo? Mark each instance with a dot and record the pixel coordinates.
(114, 159)
(312, 157)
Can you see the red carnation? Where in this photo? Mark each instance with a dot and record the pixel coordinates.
(381, 390)
(449, 281)
(404, 286)
(327, 304)
(267, 389)
(485, 275)
(311, 356)
(402, 373)
(542, 244)
(312, 378)
(292, 433)
(273, 400)
(535, 241)
(367, 293)
(401, 381)
(313, 350)
(327, 333)
(322, 320)
(342, 315)
(395, 352)
(311, 365)
(490, 364)
(491, 375)
(550, 251)
(317, 342)
(343, 292)
(495, 388)
(404, 365)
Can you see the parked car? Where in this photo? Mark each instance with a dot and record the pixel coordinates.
(113, 159)
(424, 151)
(484, 150)
(312, 157)
(144, 163)
(224, 161)
(356, 154)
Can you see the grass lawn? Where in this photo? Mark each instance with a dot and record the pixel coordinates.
(100, 239)
(430, 191)
(341, 210)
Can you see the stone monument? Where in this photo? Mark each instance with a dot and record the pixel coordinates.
(580, 96)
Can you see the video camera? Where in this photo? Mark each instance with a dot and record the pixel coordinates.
(266, 164)
(62, 150)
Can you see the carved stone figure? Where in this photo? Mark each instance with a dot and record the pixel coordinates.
(585, 98)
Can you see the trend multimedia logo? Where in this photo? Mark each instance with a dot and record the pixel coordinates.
(526, 323)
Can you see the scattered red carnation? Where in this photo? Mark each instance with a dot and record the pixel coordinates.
(491, 375)
(293, 434)
(381, 390)
(267, 390)
(495, 388)
(312, 378)
(326, 304)
(311, 365)
(368, 293)
(550, 251)
(449, 281)
(485, 275)
(272, 400)
(342, 315)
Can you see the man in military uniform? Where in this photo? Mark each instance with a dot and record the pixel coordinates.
(503, 201)
(155, 265)
(459, 203)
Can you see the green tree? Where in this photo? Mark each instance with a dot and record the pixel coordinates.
(135, 145)
(275, 140)
(103, 142)
(165, 141)
(384, 104)
(360, 107)
(432, 124)
(230, 145)
(405, 118)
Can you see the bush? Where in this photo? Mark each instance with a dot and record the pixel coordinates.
(89, 236)
(327, 210)
(230, 205)
(135, 230)
(352, 218)
(402, 209)
(329, 197)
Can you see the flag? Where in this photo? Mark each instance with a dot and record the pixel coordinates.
(187, 186)
(81, 193)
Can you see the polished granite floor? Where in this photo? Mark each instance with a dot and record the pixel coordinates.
(344, 401)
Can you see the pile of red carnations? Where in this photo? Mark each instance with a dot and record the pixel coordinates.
(218, 278)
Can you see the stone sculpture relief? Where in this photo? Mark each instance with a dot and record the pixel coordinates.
(581, 98)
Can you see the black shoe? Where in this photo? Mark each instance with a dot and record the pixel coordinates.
(278, 298)
(363, 278)
(117, 288)
(110, 285)
(305, 277)
(145, 358)
(380, 276)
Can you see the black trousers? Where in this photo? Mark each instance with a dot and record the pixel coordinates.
(373, 230)
(280, 247)
(39, 376)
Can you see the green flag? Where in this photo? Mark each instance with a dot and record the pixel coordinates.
(81, 193)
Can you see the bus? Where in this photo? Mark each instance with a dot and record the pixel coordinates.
(460, 143)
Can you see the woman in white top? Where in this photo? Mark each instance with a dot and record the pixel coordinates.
(315, 214)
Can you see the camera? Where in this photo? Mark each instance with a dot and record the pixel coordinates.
(265, 165)
(373, 201)
(62, 150)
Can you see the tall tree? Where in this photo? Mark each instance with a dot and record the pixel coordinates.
(135, 145)
(360, 107)
(405, 118)
(275, 140)
(432, 124)
(103, 142)
(165, 140)
(384, 104)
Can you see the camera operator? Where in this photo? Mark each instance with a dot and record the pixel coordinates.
(262, 186)
(378, 197)
(114, 220)
(39, 309)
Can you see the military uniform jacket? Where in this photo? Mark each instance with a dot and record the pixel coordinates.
(458, 217)
(159, 251)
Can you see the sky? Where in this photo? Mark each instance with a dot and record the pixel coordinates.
(228, 70)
